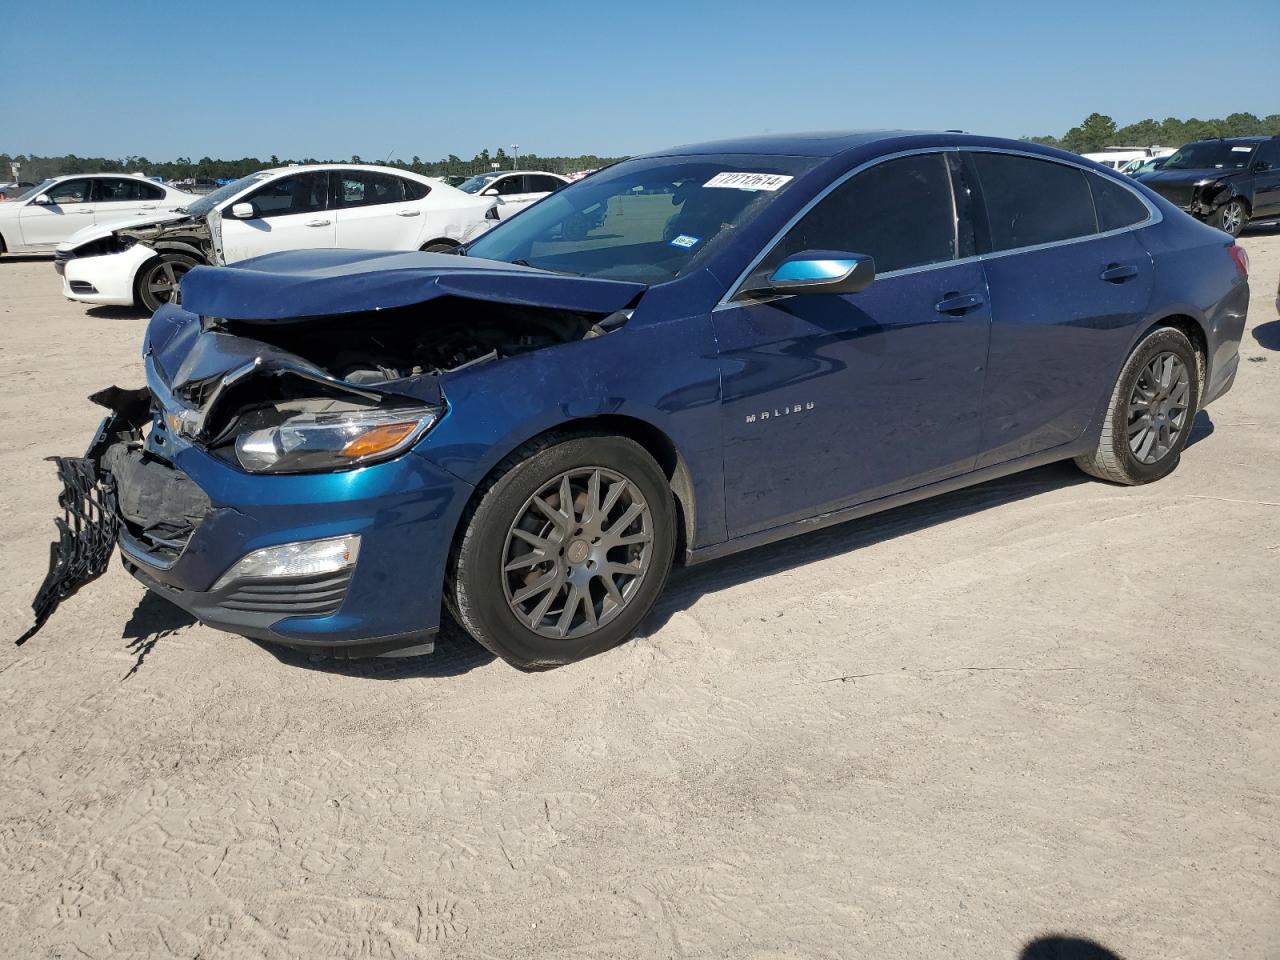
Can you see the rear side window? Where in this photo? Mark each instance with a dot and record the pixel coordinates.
(364, 189)
(110, 190)
(413, 190)
(899, 212)
(1033, 201)
(1116, 205)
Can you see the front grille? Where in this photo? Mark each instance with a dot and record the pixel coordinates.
(314, 596)
(1180, 195)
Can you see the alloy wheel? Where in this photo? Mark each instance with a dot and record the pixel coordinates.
(577, 552)
(163, 282)
(1158, 407)
(1233, 217)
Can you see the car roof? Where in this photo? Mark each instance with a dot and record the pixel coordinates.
(829, 143)
(1262, 139)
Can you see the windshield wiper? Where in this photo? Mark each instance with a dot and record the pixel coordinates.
(564, 273)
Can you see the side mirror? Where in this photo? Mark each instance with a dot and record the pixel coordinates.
(44, 200)
(823, 271)
(491, 192)
(242, 210)
(1261, 166)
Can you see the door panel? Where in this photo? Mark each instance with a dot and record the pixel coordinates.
(293, 214)
(833, 400)
(45, 225)
(1057, 330)
(373, 214)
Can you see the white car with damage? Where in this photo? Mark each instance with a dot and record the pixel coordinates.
(141, 262)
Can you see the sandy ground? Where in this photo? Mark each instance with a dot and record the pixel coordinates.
(1041, 705)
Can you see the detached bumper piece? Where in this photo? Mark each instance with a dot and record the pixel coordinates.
(86, 536)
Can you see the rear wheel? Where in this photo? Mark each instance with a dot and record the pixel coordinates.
(565, 551)
(159, 280)
(1231, 217)
(1149, 417)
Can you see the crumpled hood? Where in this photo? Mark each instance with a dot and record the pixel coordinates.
(1184, 178)
(311, 283)
(103, 230)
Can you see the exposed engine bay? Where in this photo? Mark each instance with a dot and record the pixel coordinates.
(385, 345)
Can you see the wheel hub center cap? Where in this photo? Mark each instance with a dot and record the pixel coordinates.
(578, 551)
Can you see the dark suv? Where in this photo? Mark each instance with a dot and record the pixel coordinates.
(1225, 182)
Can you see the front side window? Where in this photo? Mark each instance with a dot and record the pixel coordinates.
(69, 192)
(301, 193)
(1031, 201)
(900, 213)
(1211, 155)
(358, 188)
(649, 219)
(1116, 205)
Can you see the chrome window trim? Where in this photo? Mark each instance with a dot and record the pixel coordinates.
(1154, 216)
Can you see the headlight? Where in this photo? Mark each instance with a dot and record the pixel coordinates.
(332, 440)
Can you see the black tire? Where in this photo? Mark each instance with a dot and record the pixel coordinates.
(160, 275)
(439, 246)
(477, 591)
(1115, 458)
(1232, 217)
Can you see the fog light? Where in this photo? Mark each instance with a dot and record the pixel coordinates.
(307, 558)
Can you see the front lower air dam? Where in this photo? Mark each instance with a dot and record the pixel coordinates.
(86, 536)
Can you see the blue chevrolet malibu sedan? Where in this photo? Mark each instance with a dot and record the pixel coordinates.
(684, 355)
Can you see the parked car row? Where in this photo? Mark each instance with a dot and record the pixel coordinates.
(126, 240)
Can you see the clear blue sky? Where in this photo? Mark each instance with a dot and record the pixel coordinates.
(330, 79)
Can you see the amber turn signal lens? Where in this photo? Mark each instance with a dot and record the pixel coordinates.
(378, 439)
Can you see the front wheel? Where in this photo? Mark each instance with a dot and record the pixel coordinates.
(440, 246)
(565, 551)
(1149, 417)
(159, 282)
(1231, 217)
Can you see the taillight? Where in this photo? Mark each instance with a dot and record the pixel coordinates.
(1241, 258)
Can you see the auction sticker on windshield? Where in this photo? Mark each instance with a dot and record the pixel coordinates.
(748, 181)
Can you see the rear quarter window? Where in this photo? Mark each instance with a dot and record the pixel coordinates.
(1032, 201)
(1116, 206)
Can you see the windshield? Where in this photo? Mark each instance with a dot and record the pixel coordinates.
(201, 207)
(476, 184)
(1211, 155)
(34, 190)
(647, 220)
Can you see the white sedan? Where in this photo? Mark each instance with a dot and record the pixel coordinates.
(288, 208)
(514, 189)
(50, 212)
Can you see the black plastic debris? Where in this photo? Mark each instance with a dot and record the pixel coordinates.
(86, 536)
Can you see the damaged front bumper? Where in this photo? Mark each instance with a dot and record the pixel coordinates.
(184, 519)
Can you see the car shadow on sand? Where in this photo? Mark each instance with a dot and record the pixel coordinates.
(688, 584)
(1268, 335)
(117, 313)
(1059, 947)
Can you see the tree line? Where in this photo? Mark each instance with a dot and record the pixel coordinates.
(36, 168)
(1095, 132)
(1098, 131)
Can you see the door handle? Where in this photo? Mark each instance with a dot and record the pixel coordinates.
(957, 303)
(318, 223)
(147, 206)
(408, 213)
(82, 210)
(1119, 272)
